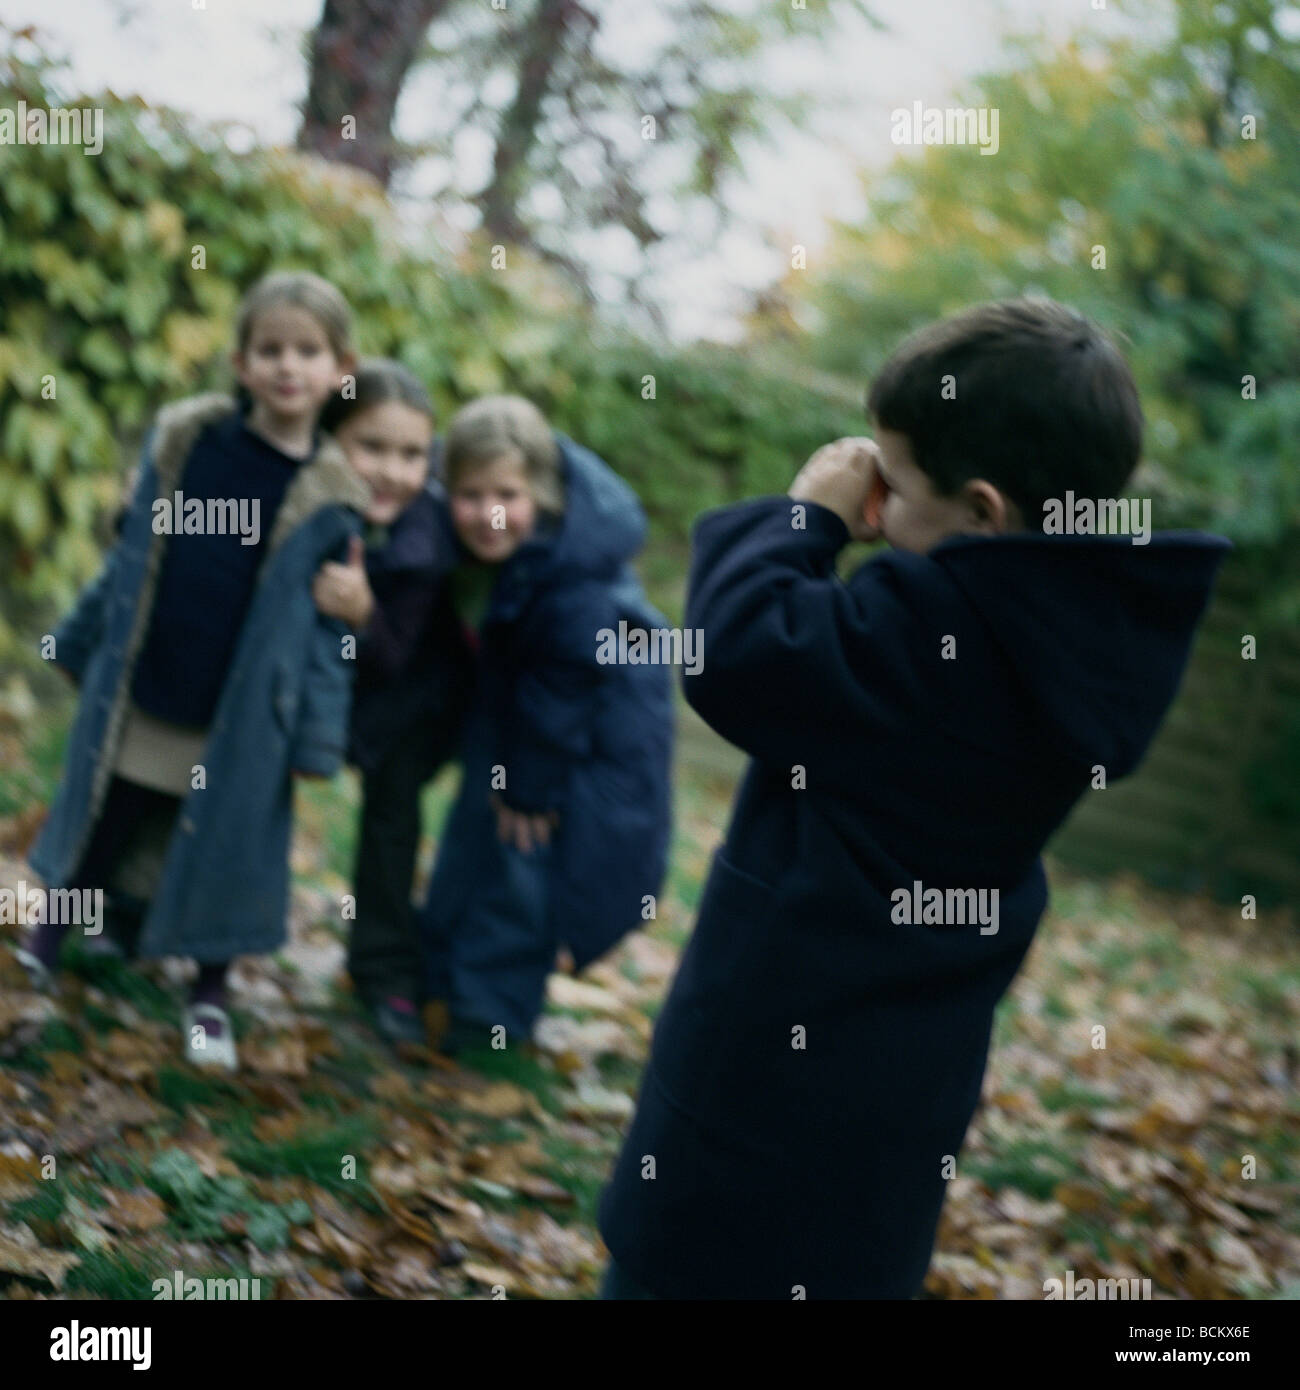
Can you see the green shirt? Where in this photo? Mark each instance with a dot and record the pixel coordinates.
(471, 589)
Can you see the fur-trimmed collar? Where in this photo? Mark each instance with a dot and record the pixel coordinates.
(323, 480)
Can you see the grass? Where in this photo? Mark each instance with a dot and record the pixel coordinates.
(101, 1275)
(54, 1036)
(581, 1171)
(123, 981)
(314, 1154)
(1034, 1166)
(1068, 1097)
(180, 1089)
(33, 780)
(44, 1207)
(513, 1064)
(1104, 943)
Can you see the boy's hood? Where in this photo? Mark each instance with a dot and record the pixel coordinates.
(1097, 630)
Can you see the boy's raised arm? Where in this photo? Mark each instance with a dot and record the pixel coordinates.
(798, 668)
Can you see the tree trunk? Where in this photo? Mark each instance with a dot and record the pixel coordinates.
(541, 44)
(361, 52)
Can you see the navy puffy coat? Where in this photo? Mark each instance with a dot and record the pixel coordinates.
(590, 740)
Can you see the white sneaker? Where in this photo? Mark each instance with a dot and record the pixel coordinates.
(209, 1039)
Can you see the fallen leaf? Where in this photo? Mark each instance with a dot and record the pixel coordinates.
(18, 1177)
(20, 1253)
(567, 993)
(599, 1102)
(282, 1056)
(491, 1275)
(136, 1210)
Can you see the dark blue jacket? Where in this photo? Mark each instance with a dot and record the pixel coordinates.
(224, 889)
(412, 660)
(592, 741)
(818, 1060)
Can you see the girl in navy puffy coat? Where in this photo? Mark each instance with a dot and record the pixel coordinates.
(559, 837)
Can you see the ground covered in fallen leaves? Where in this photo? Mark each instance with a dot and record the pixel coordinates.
(328, 1167)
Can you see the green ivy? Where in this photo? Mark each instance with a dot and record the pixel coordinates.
(120, 275)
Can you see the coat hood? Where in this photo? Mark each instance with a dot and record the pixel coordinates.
(603, 525)
(1096, 629)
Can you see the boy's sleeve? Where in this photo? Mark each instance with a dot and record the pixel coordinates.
(556, 689)
(798, 668)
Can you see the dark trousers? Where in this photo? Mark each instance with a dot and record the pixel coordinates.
(619, 1286)
(124, 856)
(383, 953)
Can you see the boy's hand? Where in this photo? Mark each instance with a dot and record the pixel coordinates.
(343, 591)
(522, 830)
(841, 476)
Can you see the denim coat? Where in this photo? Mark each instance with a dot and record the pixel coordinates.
(224, 887)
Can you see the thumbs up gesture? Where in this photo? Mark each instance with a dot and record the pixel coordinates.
(342, 590)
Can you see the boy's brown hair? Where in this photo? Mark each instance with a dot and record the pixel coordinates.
(1025, 393)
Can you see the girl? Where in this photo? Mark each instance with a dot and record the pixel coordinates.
(207, 676)
(559, 836)
(412, 668)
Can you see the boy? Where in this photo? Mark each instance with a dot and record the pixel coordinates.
(925, 726)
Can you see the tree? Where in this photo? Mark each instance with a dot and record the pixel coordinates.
(602, 118)
(1155, 187)
(360, 54)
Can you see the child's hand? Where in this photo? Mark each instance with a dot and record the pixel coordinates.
(522, 830)
(343, 591)
(842, 476)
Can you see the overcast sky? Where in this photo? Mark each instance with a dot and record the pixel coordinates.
(241, 60)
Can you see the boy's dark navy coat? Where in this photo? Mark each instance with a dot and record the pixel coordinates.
(590, 740)
(224, 889)
(818, 1060)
